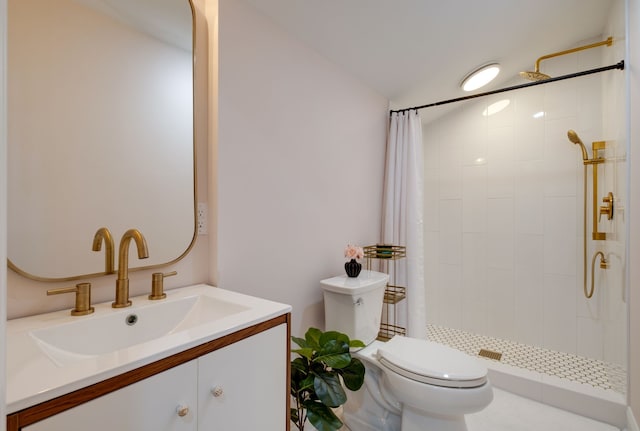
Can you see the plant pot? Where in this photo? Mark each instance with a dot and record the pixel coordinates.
(353, 268)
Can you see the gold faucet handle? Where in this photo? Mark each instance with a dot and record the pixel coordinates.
(83, 298)
(157, 284)
(607, 208)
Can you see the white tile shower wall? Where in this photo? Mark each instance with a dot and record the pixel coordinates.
(504, 211)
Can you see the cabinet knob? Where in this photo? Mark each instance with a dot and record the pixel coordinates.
(217, 391)
(182, 410)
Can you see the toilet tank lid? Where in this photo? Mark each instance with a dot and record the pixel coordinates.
(433, 360)
(365, 282)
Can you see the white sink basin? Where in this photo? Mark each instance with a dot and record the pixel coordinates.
(52, 354)
(132, 326)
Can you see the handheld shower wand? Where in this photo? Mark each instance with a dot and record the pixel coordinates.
(573, 137)
(607, 209)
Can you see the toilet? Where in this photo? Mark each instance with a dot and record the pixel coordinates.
(410, 384)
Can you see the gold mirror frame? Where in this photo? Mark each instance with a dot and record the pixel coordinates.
(196, 18)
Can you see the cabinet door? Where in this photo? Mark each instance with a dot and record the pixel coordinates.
(243, 387)
(149, 405)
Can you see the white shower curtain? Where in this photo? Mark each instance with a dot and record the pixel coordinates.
(402, 219)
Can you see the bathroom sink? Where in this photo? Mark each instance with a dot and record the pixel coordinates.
(52, 354)
(118, 329)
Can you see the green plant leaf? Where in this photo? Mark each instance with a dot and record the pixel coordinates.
(333, 335)
(334, 354)
(299, 372)
(353, 375)
(300, 364)
(322, 417)
(307, 352)
(299, 341)
(356, 343)
(317, 366)
(312, 337)
(307, 383)
(329, 389)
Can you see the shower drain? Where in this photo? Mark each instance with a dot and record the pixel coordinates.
(490, 354)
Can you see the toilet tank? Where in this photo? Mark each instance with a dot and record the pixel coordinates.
(353, 306)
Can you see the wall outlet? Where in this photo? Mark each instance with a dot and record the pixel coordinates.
(202, 218)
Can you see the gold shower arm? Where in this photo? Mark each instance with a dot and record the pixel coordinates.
(607, 42)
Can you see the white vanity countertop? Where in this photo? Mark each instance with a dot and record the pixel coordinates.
(36, 374)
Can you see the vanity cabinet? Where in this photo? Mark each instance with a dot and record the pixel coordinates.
(238, 382)
(151, 404)
(240, 387)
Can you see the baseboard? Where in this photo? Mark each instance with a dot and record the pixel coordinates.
(632, 425)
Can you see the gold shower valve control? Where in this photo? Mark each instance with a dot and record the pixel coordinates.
(607, 208)
(83, 298)
(157, 284)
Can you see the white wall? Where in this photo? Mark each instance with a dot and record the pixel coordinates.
(300, 163)
(504, 216)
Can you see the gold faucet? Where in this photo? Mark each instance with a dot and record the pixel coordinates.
(83, 298)
(157, 284)
(103, 234)
(122, 282)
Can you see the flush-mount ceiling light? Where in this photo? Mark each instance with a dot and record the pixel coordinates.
(480, 77)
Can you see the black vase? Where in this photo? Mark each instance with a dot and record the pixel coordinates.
(352, 268)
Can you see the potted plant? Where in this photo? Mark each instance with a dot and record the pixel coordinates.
(323, 365)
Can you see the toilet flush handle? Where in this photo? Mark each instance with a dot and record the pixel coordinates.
(358, 302)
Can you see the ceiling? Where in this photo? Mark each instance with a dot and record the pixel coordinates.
(415, 52)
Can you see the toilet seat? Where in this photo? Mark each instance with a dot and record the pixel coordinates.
(426, 362)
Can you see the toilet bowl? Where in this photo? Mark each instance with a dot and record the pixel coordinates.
(410, 384)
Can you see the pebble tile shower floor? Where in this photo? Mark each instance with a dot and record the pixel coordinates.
(563, 365)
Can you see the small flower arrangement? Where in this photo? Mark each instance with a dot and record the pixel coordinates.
(353, 252)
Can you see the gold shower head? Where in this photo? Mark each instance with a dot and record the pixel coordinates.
(573, 137)
(536, 75)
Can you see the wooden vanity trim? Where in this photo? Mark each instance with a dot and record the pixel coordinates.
(31, 415)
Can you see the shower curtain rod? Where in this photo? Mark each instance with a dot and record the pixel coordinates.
(619, 65)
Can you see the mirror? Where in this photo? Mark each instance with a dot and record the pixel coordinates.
(100, 114)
